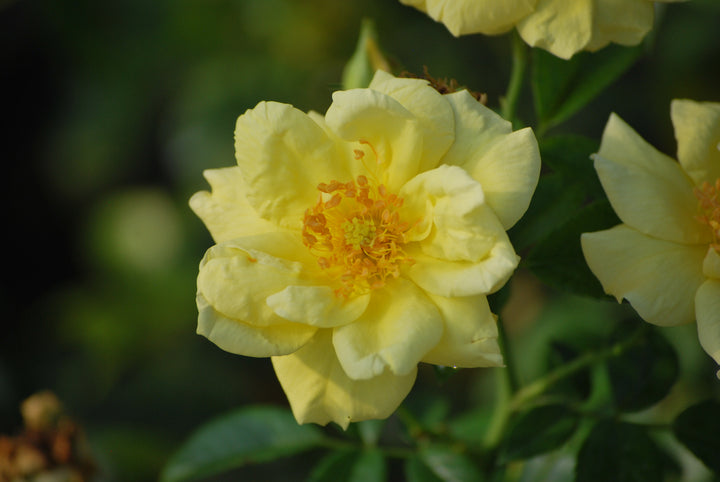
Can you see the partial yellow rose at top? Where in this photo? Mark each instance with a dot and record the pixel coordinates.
(561, 27)
(665, 256)
(355, 245)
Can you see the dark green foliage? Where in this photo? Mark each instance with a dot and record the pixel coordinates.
(698, 428)
(539, 430)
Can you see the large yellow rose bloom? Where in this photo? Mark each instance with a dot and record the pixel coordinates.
(562, 27)
(353, 246)
(665, 257)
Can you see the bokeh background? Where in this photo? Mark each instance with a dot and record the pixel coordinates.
(113, 110)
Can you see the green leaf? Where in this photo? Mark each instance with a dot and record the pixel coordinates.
(539, 430)
(445, 464)
(620, 452)
(417, 471)
(644, 373)
(562, 87)
(245, 436)
(558, 259)
(697, 428)
(370, 431)
(570, 156)
(350, 466)
(366, 59)
(577, 386)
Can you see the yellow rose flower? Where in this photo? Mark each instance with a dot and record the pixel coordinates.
(561, 27)
(665, 257)
(353, 246)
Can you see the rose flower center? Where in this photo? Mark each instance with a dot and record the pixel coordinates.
(357, 235)
(709, 206)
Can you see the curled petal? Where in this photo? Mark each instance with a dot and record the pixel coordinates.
(398, 328)
(559, 26)
(470, 336)
(505, 163)
(226, 211)
(389, 136)
(625, 22)
(283, 155)
(319, 391)
(236, 336)
(659, 278)
(317, 306)
(238, 276)
(429, 107)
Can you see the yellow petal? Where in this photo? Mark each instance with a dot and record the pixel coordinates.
(392, 139)
(505, 163)
(463, 278)
(489, 17)
(559, 26)
(319, 391)
(625, 22)
(429, 107)
(707, 307)
(470, 336)
(317, 306)
(648, 190)
(237, 337)
(226, 211)
(398, 328)
(697, 130)
(283, 155)
(238, 276)
(463, 227)
(711, 264)
(659, 278)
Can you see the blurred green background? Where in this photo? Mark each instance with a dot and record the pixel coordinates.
(112, 112)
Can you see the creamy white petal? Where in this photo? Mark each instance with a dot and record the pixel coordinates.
(707, 307)
(697, 130)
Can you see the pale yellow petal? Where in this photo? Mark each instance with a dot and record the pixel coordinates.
(648, 190)
(389, 136)
(226, 211)
(505, 163)
(429, 107)
(711, 264)
(697, 130)
(317, 306)
(464, 278)
(283, 155)
(659, 278)
(624, 22)
(561, 27)
(489, 17)
(237, 277)
(398, 328)
(319, 391)
(707, 307)
(470, 336)
(462, 226)
(237, 337)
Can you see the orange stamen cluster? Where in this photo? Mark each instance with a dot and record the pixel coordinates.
(357, 235)
(709, 196)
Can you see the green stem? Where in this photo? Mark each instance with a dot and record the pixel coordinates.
(517, 74)
(537, 388)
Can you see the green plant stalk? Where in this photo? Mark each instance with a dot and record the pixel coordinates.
(517, 75)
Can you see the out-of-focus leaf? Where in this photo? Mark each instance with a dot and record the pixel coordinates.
(620, 452)
(644, 373)
(370, 431)
(417, 471)
(698, 428)
(350, 466)
(539, 430)
(576, 386)
(558, 259)
(562, 87)
(246, 436)
(444, 464)
(471, 426)
(570, 155)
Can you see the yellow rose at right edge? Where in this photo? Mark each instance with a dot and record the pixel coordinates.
(562, 27)
(665, 256)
